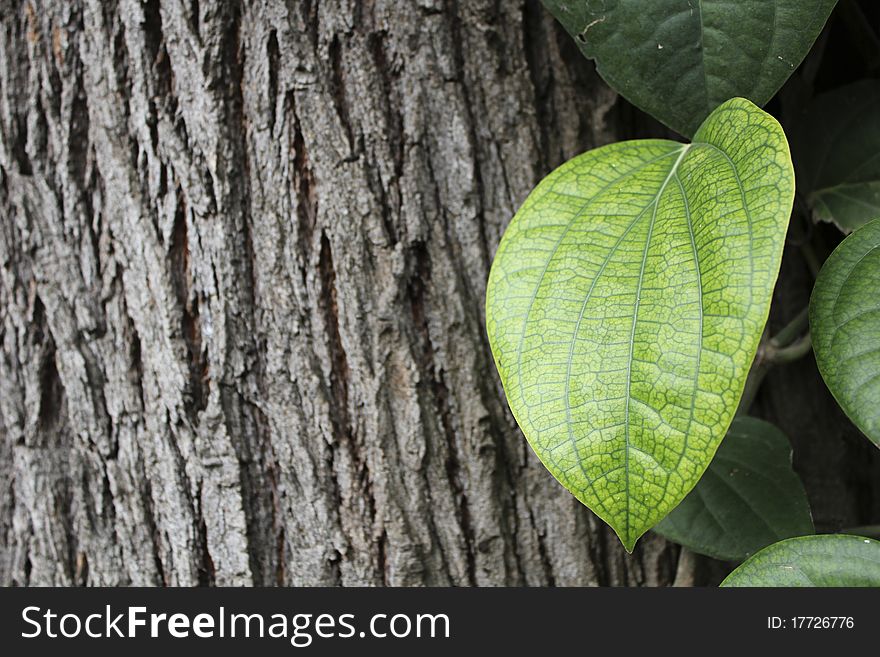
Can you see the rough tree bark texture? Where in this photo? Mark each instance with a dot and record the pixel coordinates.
(244, 249)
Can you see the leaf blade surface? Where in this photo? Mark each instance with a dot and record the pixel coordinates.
(679, 59)
(625, 304)
(748, 498)
(812, 561)
(845, 324)
(835, 142)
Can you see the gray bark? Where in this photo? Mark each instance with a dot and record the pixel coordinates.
(244, 250)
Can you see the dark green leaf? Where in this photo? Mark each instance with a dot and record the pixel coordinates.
(679, 59)
(845, 323)
(836, 150)
(747, 499)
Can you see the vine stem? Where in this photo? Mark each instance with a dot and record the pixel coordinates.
(784, 347)
(791, 330)
(793, 352)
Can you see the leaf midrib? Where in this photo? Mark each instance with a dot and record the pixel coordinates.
(632, 337)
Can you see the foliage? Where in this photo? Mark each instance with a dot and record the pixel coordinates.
(630, 292)
(626, 302)
(845, 318)
(679, 59)
(749, 497)
(835, 560)
(836, 141)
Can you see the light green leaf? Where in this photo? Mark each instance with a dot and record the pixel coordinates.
(747, 499)
(845, 324)
(679, 59)
(836, 145)
(625, 305)
(831, 560)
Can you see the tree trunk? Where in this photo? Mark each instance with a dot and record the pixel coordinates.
(244, 250)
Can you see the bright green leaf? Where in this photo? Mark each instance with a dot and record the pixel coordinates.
(679, 59)
(625, 305)
(747, 499)
(836, 145)
(831, 560)
(845, 323)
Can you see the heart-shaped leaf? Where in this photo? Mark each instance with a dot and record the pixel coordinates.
(845, 323)
(625, 305)
(748, 498)
(832, 560)
(836, 145)
(679, 59)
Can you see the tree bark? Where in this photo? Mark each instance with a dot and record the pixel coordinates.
(244, 250)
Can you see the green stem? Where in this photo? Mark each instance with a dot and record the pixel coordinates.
(769, 355)
(793, 352)
(792, 330)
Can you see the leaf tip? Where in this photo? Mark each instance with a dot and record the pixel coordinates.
(628, 539)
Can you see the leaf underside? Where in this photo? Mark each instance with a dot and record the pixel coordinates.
(836, 142)
(679, 59)
(809, 561)
(748, 498)
(845, 324)
(625, 305)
